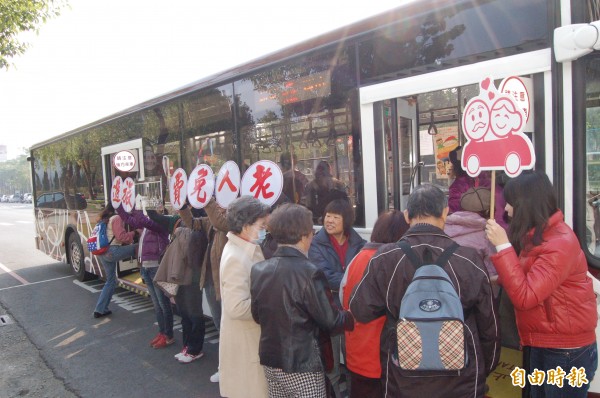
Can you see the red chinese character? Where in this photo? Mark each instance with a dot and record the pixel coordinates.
(127, 193)
(177, 188)
(199, 183)
(227, 180)
(117, 189)
(261, 175)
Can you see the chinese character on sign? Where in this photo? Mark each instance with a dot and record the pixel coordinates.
(179, 181)
(115, 192)
(227, 180)
(200, 186)
(261, 185)
(518, 377)
(177, 188)
(228, 184)
(128, 194)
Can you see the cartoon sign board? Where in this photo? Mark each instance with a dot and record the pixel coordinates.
(228, 183)
(263, 180)
(200, 186)
(115, 192)
(177, 188)
(128, 194)
(493, 124)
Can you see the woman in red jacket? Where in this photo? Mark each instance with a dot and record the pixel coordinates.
(362, 344)
(543, 269)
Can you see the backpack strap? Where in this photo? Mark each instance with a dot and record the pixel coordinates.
(446, 254)
(407, 249)
(417, 262)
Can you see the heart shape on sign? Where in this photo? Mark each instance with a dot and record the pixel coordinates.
(491, 95)
(486, 83)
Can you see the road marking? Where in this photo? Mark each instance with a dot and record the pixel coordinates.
(14, 275)
(35, 283)
(6, 224)
(25, 222)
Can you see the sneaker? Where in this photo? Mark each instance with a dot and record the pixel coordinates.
(182, 353)
(100, 314)
(187, 358)
(155, 339)
(163, 341)
(215, 378)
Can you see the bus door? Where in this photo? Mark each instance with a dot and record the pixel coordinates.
(409, 127)
(396, 123)
(125, 160)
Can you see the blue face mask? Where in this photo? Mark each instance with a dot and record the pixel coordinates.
(262, 233)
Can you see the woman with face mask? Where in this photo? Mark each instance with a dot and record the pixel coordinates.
(241, 374)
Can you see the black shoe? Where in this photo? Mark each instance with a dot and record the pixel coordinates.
(100, 315)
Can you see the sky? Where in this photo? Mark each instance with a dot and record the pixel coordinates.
(100, 57)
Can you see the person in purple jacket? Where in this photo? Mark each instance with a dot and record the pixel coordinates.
(463, 182)
(153, 243)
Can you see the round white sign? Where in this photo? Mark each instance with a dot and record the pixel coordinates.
(128, 194)
(124, 161)
(200, 186)
(115, 192)
(228, 184)
(177, 188)
(263, 180)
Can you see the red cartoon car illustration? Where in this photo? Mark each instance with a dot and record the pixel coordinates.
(513, 152)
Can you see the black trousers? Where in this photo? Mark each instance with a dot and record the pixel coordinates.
(189, 305)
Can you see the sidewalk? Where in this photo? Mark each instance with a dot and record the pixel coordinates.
(23, 372)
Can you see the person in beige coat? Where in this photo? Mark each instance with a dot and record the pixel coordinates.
(241, 375)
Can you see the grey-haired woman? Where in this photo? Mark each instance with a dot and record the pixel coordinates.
(241, 374)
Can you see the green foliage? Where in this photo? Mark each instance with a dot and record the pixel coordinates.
(15, 175)
(18, 16)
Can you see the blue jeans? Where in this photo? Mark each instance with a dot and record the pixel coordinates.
(162, 304)
(549, 358)
(109, 261)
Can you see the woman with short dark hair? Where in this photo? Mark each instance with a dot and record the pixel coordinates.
(544, 272)
(332, 249)
(240, 372)
(292, 303)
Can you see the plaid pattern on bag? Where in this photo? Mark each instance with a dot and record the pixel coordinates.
(410, 345)
(452, 345)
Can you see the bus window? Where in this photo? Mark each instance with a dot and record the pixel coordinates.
(593, 156)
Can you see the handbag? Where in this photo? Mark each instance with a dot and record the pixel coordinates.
(169, 288)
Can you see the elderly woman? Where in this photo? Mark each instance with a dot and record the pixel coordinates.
(332, 249)
(239, 369)
(292, 302)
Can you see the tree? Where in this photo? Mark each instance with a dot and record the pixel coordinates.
(23, 16)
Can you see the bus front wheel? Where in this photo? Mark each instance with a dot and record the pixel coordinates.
(77, 258)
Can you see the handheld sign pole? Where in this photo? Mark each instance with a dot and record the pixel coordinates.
(493, 195)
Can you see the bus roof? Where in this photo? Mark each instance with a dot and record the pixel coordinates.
(346, 33)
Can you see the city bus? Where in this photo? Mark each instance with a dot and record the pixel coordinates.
(379, 101)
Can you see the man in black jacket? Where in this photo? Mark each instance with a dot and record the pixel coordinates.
(383, 285)
(292, 304)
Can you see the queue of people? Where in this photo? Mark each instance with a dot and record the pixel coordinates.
(289, 317)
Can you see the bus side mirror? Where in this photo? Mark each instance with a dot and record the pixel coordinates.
(577, 40)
